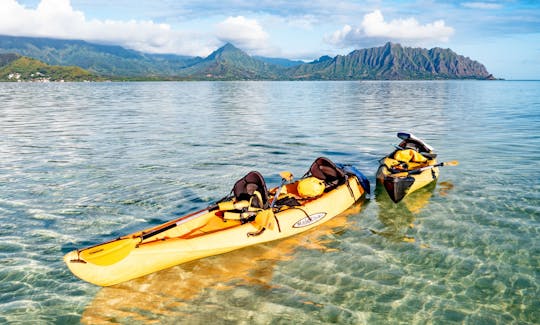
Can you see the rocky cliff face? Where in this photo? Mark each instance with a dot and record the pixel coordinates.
(394, 62)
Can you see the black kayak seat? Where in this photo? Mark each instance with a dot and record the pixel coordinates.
(245, 188)
(325, 170)
(410, 141)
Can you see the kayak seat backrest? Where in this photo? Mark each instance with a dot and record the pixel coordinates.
(325, 170)
(244, 189)
(415, 145)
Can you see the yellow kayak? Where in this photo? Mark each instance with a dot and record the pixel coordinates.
(410, 167)
(250, 215)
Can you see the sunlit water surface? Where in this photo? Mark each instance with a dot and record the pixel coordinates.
(83, 163)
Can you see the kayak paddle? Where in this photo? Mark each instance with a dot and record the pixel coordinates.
(108, 253)
(419, 170)
(286, 176)
(116, 250)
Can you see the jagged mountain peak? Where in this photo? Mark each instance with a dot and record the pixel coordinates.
(322, 59)
(229, 47)
(231, 63)
(392, 61)
(227, 50)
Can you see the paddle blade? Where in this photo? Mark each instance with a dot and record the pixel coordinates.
(286, 175)
(451, 163)
(109, 253)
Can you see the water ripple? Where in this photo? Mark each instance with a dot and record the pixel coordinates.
(83, 163)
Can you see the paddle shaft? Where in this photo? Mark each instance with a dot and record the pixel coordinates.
(277, 192)
(117, 249)
(167, 226)
(419, 170)
(174, 223)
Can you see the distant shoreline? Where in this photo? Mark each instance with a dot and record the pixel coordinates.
(216, 80)
(391, 61)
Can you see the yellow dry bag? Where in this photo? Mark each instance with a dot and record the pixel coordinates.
(310, 187)
(409, 155)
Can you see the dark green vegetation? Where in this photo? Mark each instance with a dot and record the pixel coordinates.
(388, 62)
(230, 63)
(392, 62)
(14, 67)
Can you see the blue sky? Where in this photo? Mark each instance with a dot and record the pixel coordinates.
(504, 35)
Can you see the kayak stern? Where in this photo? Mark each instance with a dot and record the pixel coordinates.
(398, 187)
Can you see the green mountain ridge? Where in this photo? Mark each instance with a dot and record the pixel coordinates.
(104, 60)
(14, 67)
(393, 62)
(231, 63)
(388, 62)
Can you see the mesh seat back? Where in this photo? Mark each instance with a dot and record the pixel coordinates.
(324, 169)
(245, 187)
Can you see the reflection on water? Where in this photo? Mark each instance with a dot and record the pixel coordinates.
(400, 217)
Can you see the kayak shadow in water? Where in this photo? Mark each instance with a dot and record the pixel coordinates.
(399, 218)
(171, 293)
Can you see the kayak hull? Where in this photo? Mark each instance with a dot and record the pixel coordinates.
(207, 234)
(400, 187)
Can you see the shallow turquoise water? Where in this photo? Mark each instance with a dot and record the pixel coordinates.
(83, 163)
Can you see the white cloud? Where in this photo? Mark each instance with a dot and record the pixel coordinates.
(374, 30)
(481, 5)
(299, 22)
(244, 33)
(58, 19)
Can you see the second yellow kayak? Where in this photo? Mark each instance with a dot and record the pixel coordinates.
(410, 167)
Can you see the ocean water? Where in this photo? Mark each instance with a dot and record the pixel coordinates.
(82, 163)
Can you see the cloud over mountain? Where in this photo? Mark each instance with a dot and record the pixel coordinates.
(374, 29)
(246, 33)
(58, 19)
